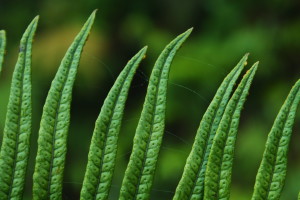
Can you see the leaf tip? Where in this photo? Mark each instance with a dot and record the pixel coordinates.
(94, 13)
(145, 48)
(33, 23)
(254, 67)
(35, 20)
(188, 32)
(143, 51)
(245, 58)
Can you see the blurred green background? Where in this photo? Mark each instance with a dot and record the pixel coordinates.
(223, 33)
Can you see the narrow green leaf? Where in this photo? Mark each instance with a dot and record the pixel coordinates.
(52, 141)
(272, 171)
(219, 166)
(139, 174)
(2, 47)
(15, 145)
(103, 148)
(299, 196)
(191, 185)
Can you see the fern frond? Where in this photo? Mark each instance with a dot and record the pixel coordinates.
(272, 171)
(103, 148)
(191, 185)
(139, 174)
(219, 166)
(2, 47)
(52, 140)
(17, 130)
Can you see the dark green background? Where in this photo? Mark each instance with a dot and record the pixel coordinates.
(223, 32)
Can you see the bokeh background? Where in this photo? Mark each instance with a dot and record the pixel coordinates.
(223, 32)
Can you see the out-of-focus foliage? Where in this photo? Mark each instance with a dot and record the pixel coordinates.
(223, 32)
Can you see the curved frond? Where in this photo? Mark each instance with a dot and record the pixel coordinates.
(15, 145)
(2, 47)
(52, 141)
(103, 148)
(139, 174)
(219, 166)
(272, 171)
(191, 185)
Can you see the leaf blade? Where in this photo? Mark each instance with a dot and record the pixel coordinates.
(15, 145)
(50, 159)
(139, 174)
(2, 47)
(191, 185)
(272, 171)
(103, 146)
(218, 173)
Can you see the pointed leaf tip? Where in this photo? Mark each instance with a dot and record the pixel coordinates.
(34, 21)
(144, 49)
(36, 18)
(94, 13)
(188, 32)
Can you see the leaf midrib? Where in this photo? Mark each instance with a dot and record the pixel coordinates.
(228, 128)
(152, 121)
(277, 145)
(19, 119)
(206, 141)
(109, 124)
(56, 113)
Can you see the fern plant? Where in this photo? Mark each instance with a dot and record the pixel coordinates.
(208, 169)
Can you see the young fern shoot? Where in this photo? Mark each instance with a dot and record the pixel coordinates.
(17, 130)
(191, 185)
(2, 47)
(103, 148)
(52, 141)
(139, 174)
(272, 171)
(219, 166)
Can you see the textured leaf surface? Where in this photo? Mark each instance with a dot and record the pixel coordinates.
(139, 174)
(2, 47)
(52, 141)
(272, 171)
(103, 148)
(15, 145)
(191, 185)
(219, 166)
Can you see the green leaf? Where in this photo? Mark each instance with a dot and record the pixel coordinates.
(15, 145)
(219, 166)
(139, 174)
(272, 171)
(103, 148)
(2, 47)
(299, 196)
(52, 141)
(191, 185)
